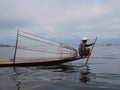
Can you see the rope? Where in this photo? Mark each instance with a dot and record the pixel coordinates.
(63, 46)
(36, 39)
(48, 41)
(30, 49)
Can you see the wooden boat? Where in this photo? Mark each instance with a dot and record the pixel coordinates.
(64, 53)
(43, 62)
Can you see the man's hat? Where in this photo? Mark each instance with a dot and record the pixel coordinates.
(84, 38)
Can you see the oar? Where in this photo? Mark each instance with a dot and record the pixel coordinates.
(91, 51)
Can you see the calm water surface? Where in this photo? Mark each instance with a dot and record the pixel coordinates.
(102, 73)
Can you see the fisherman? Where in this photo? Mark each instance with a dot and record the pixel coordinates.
(83, 50)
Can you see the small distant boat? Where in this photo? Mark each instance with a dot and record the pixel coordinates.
(42, 52)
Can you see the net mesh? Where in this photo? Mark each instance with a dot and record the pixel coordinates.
(31, 47)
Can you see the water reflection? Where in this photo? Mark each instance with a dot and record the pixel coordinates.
(51, 73)
(85, 75)
(18, 83)
(58, 68)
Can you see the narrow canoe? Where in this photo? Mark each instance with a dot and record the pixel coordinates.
(10, 62)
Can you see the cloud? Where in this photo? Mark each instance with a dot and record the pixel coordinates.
(63, 19)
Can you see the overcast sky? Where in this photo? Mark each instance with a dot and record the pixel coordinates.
(65, 21)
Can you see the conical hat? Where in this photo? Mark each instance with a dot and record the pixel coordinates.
(84, 38)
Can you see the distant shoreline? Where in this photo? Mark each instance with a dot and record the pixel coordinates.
(3, 45)
(6, 45)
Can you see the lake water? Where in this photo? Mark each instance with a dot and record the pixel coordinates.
(101, 73)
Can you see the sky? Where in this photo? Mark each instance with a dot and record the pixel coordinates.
(65, 21)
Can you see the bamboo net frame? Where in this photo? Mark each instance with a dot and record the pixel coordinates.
(46, 50)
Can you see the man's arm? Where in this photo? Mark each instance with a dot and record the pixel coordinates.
(87, 45)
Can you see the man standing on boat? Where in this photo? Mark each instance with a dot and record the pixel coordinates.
(83, 50)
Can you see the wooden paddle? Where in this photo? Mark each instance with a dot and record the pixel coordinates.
(91, 51)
